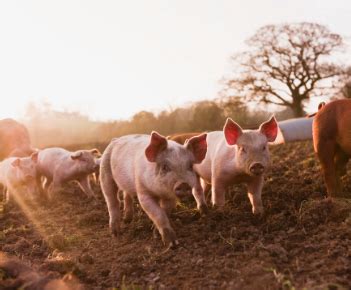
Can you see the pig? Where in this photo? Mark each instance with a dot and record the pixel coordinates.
(182, 137)
(237, 156)
(59, 166)
(14, 140)
(332, 142)
(18, 175)
(154, 169)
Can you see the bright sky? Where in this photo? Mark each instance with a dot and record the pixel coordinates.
(111, 59)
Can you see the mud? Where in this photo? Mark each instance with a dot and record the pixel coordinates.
(302, 241)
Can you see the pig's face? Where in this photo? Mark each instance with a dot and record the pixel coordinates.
(86, 160)
(26, 167)
(252, 155)
(174, 163)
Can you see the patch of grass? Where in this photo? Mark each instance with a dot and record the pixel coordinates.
(62, 242)
(230, 240)
(73, 240)
(285, 282)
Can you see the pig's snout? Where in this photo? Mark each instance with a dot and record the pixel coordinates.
(257, 168)
(182, 189)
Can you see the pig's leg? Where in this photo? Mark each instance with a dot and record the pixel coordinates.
(110, 191)
(48, 181)
(128, 207)
(199, 196)
(85, 186)
(54, 187)
(254, 193)
(218, 192)
(40, 188)
(341, 160)
(8, 196)
(159, 218)
(326, 153)
(206, 187)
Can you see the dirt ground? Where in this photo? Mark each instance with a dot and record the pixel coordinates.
(302, 241)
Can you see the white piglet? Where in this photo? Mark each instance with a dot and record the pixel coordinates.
(237, 156)
(156, 170)
(59, 166)
(17, 175)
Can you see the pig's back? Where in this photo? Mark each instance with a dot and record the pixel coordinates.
(127, 156)
(49, 159)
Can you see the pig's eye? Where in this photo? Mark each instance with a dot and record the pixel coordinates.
(242, 149)
(165, 168)
(264, 148)
(190, 167)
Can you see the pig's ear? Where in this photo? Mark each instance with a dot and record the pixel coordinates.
(34, 156)
(95, 152)
(16, 162)
(157, 144)
(198, 146)
(270, 129)
(76, 155)
(232, 131)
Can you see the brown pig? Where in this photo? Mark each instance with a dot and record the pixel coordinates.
(14, 140)
(332, 142)
(180, 138)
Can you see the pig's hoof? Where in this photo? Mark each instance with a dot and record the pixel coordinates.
(169, 238)
(203, 209)
(155, 233)
(258, 211)
(115, 230)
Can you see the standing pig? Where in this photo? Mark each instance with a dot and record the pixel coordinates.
(60, 166)
(332, 142)
(182, 137)
(237, 156)
(18, 174)
(14, 139)
(156, 170)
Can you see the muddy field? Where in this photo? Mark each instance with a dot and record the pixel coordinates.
(302, 241)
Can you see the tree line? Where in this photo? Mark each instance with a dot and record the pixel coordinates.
(284, 66)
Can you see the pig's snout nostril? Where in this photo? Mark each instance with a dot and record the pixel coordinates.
(183, 189)
(256, 168)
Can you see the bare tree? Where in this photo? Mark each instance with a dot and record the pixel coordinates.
(286, 65)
